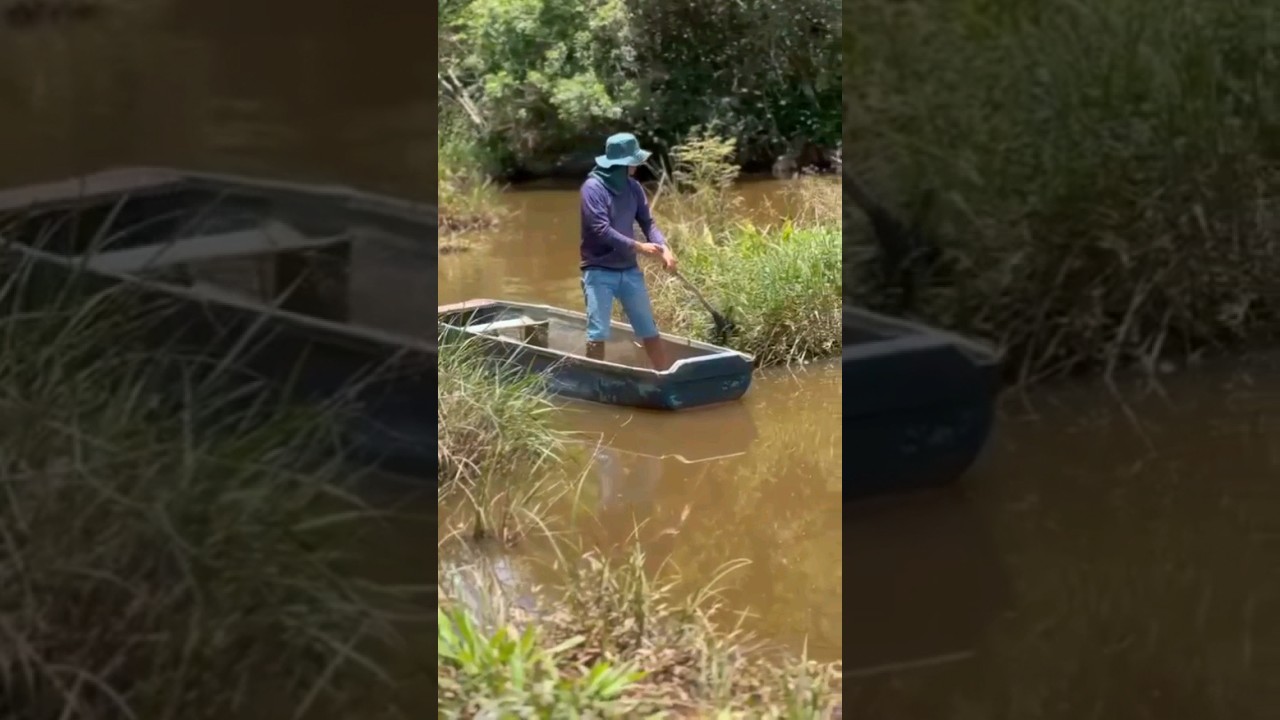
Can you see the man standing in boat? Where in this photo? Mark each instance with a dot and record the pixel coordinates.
(613, 203)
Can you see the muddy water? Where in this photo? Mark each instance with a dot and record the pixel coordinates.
(324, 90)
(1108, 559)
(757, 480)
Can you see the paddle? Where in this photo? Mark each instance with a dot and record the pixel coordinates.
(723, 326)
(902, 248)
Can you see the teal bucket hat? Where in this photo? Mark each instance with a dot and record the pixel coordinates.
(622, 149)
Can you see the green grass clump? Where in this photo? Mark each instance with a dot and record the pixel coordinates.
(780, 288)
(506, 674)
(498, 452)
(468, 199)
(780, 284)
(612, 639)
(1108, 173)
(492, 419)
(168, 549)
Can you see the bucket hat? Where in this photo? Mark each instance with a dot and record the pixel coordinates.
(622, 149)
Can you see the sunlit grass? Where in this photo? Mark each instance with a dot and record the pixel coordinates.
(779, 284)
(612, 637)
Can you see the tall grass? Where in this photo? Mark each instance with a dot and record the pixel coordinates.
(778, 284)
(467, 196)
(1108, 171)
(495, 443)
(492, 418)
(169, 548)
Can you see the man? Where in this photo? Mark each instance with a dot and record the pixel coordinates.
(613, 202)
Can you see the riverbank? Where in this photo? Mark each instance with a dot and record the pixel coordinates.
(467, 197)
(1110, 206)
(612, 640)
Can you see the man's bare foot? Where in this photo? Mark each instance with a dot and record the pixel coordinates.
(595, 350)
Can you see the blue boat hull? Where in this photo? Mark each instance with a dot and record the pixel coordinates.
(919, 404)
(705, 375)
(696, 389)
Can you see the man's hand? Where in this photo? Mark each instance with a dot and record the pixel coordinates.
(668, 259)
(648, 248)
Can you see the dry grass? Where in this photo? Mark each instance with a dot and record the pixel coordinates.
(469, 201)
(1107, 175)
(167, 541)
(615, 639)
(779, 284)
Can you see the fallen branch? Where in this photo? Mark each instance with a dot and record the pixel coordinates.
(457, 92)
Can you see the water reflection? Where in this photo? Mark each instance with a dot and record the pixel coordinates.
(927, 582)
(1138, 537)
(474, 576)
(758, 480)
(627, 480)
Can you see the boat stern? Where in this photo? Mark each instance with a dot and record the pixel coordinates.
(703, 381)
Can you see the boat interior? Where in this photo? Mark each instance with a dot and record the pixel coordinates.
(866, 333)
(281, 250)
(562, 332)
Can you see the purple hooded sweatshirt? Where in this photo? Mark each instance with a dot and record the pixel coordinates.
(608, 225)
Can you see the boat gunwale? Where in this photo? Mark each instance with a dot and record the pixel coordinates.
(99, 184)
(334, 331)
(716, 353)
(910, 334)
(106, 259)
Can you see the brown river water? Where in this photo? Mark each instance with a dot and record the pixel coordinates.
(1106, 559)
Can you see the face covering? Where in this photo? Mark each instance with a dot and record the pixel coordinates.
(614, 178)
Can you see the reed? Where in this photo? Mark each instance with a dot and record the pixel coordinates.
(169, 544)
(468, 198)
(1107, 172)
(611, 638)
(779, 284)
(500, 458)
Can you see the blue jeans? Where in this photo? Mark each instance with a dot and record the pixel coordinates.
(600, 287)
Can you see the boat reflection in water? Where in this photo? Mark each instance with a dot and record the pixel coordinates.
(632, 452)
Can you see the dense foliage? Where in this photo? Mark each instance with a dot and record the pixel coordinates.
(1107, 172)
(540, 78)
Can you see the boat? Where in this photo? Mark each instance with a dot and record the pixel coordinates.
(919, 403)
(333, 284)
(551, 342)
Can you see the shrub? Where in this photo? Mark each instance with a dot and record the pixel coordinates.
(1107, 171)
